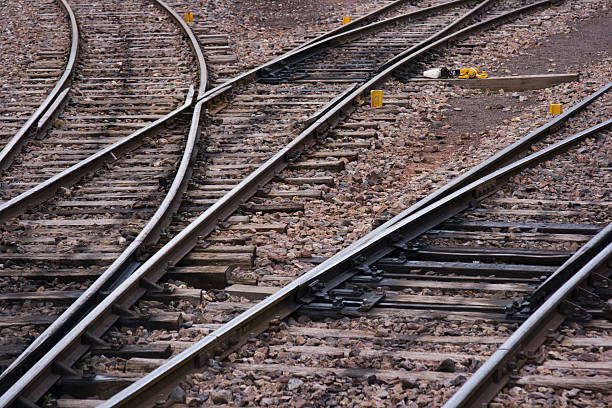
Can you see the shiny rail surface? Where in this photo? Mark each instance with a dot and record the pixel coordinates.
(219, 211)
(331, 273)
(147, 235)
(494, 374)
(52, 102)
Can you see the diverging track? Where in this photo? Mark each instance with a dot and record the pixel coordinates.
(222, 185)
(464, 259)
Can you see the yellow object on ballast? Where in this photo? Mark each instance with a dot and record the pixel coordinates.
(189, 17)
(465, 73)
(376, 99)
(346, 20)
(556, 109)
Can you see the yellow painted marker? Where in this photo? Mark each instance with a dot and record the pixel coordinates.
(376, 98)
(189, 17)
(346, 20)
(556, 109)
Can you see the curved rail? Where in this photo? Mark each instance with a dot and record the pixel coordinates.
(52, 102)
(48, 188)
(87, 301)
(492, 376)
(126, 293)
(150, 233)
(358, 22)
(71, 175)
(45, 190)
(301, 53)
(193, 44)
(328, 275)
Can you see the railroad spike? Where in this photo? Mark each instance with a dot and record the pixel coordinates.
(573, 311)
(587, 298)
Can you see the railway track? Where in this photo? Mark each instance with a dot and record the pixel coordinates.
(446, 291)
(32, 82)
(199, 201)
(563, 345)
(115, 90)
(87, 250)
(113, 213)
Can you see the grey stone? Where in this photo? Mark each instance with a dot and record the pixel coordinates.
(447, 366)
(178, 395)
(294, 384)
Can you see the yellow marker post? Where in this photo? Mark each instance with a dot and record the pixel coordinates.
(556, 109)
(346, 20)
(376, 99)
(189, 17)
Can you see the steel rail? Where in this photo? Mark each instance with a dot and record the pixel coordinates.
(48, 107)
(193, 44)
(494, 374)
(149, 234)
(554, 281)
(111, 277)
(301, 53)
(127, 293)
(328, 275)
(354, 23)
(48, 188)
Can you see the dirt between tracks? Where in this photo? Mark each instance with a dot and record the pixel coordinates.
(574, 51)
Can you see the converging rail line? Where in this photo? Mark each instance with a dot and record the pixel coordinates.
(115, 90)
(99, 229)
(244, 144)
(46, 69)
